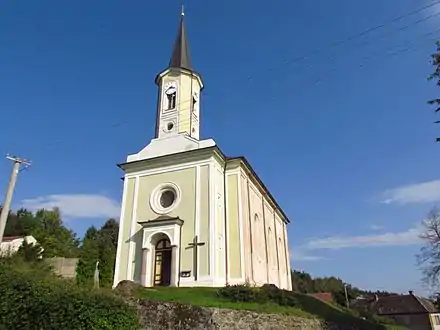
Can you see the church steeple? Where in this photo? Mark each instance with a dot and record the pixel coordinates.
(180, 58)
(179, 92)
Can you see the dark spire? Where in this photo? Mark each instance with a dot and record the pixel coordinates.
(180, 56)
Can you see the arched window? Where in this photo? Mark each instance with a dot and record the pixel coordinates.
(164, 243)
(171, 94)
(270, 247)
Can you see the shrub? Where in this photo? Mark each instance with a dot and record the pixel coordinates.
(47, 302)
(240, 293)
(376, 318)
(266, 294)
(278, 296)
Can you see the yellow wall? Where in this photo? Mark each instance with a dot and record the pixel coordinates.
(233, 227)
(185, 210)
(246, 229)
(205, 225)
(186, 180)
(126, 223)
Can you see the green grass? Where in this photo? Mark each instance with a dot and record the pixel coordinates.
(207, 297)
(308, 306)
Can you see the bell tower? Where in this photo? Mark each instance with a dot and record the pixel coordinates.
(178, 106)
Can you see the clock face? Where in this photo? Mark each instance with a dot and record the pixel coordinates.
(170, 88)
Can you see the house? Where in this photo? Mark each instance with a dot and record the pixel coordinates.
(11, 244)
(414, 312)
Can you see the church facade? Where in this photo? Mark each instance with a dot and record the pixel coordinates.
(191, 216)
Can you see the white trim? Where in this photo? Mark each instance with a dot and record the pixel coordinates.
(212, 204)
(132, 229)
(160, 189)
(158, 231)
(170, 168)
(227, 231)
(148, 234)
(236, 280)
(205, 281)
(197, 215)
(275, 227)
(240, 225)
(120, 234)
(287, 256)
(178, 244)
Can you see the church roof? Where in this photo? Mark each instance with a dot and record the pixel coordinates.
(180, 57)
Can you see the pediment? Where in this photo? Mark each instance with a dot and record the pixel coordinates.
(162, 220)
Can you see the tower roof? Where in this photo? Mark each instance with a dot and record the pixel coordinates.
(180, 57)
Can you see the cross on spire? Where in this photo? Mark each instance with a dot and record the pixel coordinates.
(180, 57)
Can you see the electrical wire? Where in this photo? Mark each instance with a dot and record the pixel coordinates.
(318, 51)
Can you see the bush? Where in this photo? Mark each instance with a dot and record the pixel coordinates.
(278, 296)
(266, 294)
(240, 293)
(42, 301)
(376, 318)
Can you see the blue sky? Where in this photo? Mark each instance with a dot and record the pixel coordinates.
(342, 137)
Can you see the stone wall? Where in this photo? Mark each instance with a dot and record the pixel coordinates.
(65, 267)
(173, 316)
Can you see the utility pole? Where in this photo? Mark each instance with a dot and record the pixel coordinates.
(346, 296)
(8, 199)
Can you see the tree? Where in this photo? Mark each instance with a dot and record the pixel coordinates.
(435, 60)
(108, 243)
(54, 237)
(302, 282)
(98, 245)
(429, 256)
(29, 252)
(89, 254)
(48, 229)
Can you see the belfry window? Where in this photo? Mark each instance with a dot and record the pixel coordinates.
(171, 98)
(194, 104)
(195, 100)
(171, 93)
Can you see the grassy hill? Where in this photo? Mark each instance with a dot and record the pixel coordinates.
(304, 305)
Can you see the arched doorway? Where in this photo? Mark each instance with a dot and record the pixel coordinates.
(162, 262)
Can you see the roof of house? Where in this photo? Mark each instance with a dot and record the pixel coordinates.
(324, 296)
(396, 304)
(11, 238)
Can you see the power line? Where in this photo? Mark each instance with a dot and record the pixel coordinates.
(320, 80)
(331, 45)
(364, 32)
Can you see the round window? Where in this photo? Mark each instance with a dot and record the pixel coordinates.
(170, 126)
(167, 198)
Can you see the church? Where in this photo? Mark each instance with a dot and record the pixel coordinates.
(192, 216)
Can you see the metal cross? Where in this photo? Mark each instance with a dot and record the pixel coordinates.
(194, 245)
